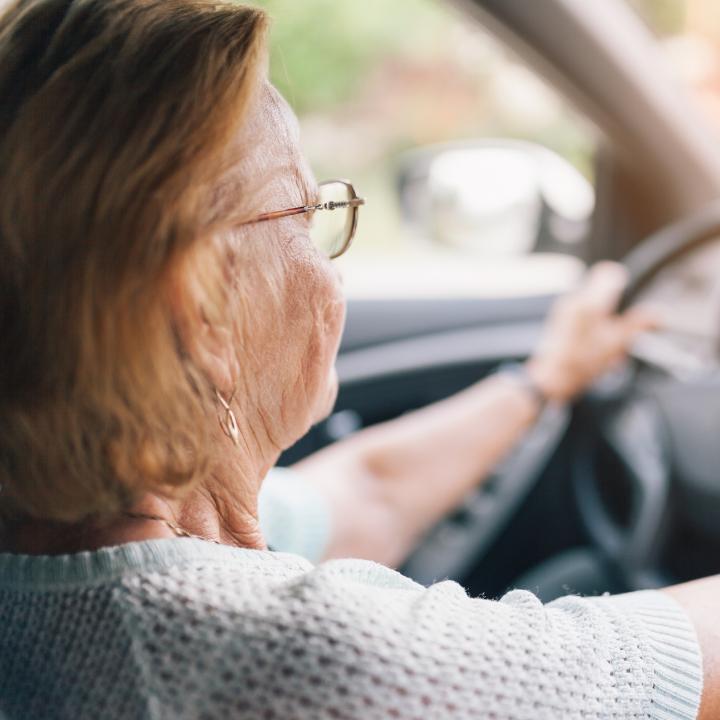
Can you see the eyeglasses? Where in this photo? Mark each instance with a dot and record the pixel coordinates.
(331, 232)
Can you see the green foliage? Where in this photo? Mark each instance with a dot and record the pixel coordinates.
(321, 50)
(665, 17)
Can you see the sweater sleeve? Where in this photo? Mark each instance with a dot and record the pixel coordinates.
(413, 652)
(669, 647)
(294, 516)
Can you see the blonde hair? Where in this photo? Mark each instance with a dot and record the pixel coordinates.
(114, 115)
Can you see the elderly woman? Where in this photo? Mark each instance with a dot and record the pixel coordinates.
(167, 327)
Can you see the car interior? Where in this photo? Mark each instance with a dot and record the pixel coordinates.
(620, 491)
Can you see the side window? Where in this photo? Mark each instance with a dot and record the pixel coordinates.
(477, 174)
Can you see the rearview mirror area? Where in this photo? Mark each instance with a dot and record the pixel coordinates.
(495, 198)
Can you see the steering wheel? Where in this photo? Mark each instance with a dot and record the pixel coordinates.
(651, 438)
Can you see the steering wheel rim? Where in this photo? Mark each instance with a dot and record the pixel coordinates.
(666, 246)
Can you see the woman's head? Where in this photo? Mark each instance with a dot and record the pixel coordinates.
(135, 137)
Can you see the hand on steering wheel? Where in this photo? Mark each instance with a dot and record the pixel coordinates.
(585, 336)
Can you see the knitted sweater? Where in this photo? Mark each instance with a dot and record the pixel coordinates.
(183, 628)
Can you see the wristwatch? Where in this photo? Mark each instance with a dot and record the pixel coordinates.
(518, 372)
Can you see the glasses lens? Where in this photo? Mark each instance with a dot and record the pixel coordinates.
(331, 228)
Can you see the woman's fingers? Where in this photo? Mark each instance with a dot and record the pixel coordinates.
(638, 320)
(642, 318)
(603, 287)
(585, 337)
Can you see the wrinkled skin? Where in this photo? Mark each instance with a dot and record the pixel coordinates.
(277, 359)
(285, 296)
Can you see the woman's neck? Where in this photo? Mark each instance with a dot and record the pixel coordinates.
(199, 515)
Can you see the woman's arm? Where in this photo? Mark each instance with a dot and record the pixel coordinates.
(701, 601)
(388, 484)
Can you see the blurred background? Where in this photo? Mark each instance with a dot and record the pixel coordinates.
(373, 81)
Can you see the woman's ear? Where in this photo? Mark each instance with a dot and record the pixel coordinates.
(209, 344)
(212, 350)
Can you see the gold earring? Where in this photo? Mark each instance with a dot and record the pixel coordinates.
(228, 423)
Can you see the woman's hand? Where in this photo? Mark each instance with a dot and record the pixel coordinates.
(584, 336)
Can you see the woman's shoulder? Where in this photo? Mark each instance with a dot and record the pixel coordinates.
(217, 581)
(106, 566)
(187, 564)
